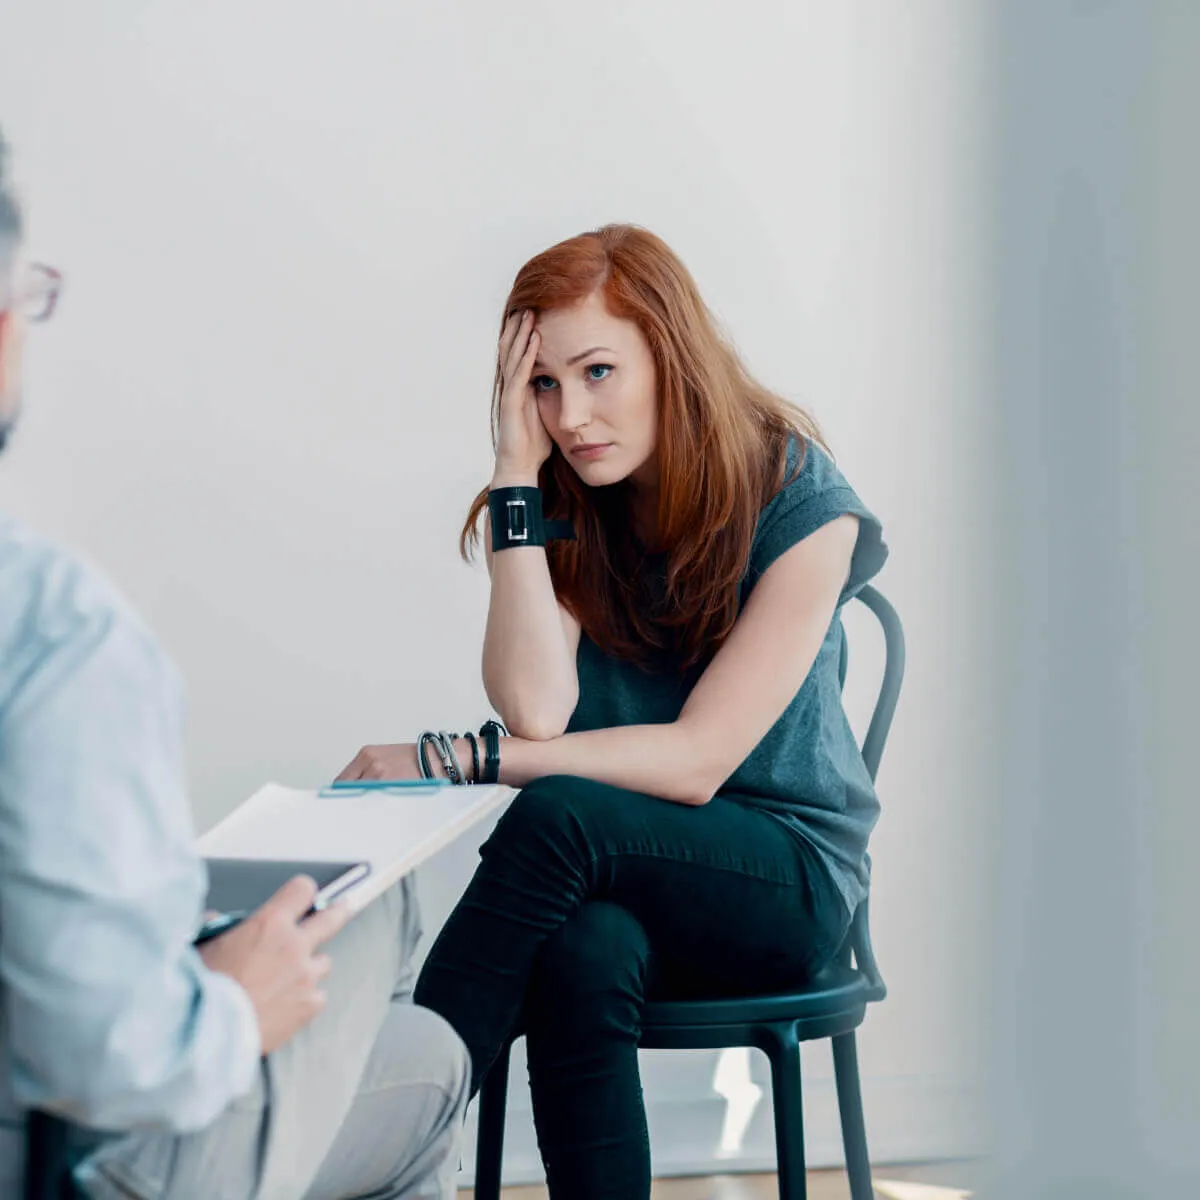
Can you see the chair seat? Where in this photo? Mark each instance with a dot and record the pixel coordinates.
(834, 991)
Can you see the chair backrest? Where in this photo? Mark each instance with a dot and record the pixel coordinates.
(859, 939)
(893, 676)
(54, 1146)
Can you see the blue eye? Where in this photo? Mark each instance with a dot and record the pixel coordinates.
(542, 383)
(598, 367)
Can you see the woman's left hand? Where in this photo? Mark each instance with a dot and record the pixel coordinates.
(384, 762)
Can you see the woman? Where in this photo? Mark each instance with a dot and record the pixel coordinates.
(695, 810)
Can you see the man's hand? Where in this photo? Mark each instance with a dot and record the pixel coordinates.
(272, 954)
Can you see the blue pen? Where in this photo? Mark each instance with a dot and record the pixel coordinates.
(383, 785)
(221, 923)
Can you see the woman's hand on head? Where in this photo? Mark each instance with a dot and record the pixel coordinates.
(523, 443)
(384, 762)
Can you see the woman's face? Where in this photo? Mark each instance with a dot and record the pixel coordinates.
(597, 392)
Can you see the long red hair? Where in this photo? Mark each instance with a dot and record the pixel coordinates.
(721, 450)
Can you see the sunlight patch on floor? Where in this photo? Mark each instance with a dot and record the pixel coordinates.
(742, 1097)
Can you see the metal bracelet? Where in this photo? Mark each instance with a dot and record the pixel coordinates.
(422, 758)
(450, 759)
(440, 746)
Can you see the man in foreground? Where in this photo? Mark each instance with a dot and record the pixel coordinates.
(256, 1065)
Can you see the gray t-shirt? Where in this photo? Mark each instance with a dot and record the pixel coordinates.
(808, 771)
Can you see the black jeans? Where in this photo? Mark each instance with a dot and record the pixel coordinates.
(588, 901)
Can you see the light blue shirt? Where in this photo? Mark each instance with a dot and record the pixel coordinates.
(107, 1013)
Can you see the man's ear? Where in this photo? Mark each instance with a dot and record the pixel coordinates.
(11, 339)
(7, 325)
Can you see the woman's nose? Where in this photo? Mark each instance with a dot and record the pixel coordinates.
(575, 409)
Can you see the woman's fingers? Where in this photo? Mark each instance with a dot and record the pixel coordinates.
(517, 380)
(353, 770)
(508, 335)
(523, 443)
(511, 326)
(519, 346)
(525, 370)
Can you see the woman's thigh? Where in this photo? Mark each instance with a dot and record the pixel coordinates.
(725, 892)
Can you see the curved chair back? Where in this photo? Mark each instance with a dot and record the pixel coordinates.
(893, 676)
(859, 939)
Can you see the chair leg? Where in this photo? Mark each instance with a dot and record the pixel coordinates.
(489, 1149)
(854, 1129)
(783, 1050)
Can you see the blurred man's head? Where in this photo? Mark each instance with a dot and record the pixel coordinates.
(12, 321)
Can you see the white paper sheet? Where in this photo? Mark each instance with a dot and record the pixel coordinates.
(393, 831)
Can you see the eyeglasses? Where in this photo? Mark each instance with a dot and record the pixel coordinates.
(38, 293)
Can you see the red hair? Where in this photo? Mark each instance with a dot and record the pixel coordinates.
(721, 451)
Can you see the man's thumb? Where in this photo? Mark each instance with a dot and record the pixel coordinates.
(295, 898)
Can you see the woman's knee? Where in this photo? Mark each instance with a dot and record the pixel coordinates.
(601, 949)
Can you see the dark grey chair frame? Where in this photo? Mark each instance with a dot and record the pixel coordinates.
(833, 1007)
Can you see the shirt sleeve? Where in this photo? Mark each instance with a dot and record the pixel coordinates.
(112, 1017)
(815, 497)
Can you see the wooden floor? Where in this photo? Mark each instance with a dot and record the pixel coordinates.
(822, 1185)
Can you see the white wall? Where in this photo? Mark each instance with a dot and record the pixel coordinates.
(287, 230)
(1096, 306)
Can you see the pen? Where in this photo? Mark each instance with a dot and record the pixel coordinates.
(383, 785)
(221, 923)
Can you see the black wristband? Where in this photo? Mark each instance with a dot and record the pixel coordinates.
(491, 760)
(473, 742)
(516, 515)
(516, 519)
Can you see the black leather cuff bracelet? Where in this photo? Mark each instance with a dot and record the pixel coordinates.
(516, 517)
(490, 733)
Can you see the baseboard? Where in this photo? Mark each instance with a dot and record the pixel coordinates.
(909, 1119)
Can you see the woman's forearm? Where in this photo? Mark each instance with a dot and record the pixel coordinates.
(659, 760)
(528, 665)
